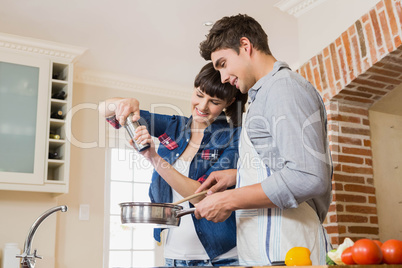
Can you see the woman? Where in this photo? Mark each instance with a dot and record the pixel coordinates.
(190, 149)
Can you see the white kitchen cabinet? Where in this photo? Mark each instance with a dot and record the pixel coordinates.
(24, 87)
(32, 75)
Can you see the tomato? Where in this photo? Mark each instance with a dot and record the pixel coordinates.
(392, 251)
(378, 242)
(346, 256)
(365, 251)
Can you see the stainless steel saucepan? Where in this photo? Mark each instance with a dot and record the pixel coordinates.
(163, 215)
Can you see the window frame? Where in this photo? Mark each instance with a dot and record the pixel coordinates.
(120, 142)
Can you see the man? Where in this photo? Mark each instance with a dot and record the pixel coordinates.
(283, 178)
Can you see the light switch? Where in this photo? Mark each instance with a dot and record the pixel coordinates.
(84, 212)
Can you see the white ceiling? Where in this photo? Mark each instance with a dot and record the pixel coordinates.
(155, 40)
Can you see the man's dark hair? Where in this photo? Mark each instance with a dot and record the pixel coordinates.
(226, 33)
(208, 81)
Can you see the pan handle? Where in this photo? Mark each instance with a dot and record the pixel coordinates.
(183, 212)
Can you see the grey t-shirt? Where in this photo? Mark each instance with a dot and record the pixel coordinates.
(286, 122)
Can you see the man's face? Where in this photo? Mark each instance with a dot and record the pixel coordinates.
(234, 68)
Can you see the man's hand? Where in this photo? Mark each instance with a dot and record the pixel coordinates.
(219, 206)
(216, 207)
(218, 181)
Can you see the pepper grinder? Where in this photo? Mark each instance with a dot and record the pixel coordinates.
(131, 127)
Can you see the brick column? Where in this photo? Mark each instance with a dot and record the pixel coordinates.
(356, 70)
(353, 210)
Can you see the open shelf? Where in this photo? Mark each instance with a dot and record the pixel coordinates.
(56, 123)
(59, 103)
(54, 163)
(60, 71)
(57, 169)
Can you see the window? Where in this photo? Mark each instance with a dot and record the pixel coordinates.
(128, 177)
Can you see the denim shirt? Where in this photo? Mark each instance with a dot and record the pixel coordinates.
(218, 150)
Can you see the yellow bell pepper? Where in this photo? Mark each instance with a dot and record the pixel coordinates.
(298, 256)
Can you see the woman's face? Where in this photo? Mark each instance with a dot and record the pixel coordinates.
(204, 108)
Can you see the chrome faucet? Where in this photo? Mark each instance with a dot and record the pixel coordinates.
(27, 259)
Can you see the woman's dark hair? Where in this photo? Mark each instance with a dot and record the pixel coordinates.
(227, 32)
(208, 81)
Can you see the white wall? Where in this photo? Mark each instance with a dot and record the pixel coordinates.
(386, 142)
(18, 211)
(386, 133)
(322, 25)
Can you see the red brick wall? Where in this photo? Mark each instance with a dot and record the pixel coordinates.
(353, 210)
(356, 70)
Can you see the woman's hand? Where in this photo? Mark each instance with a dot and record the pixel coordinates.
(121, 108)
(142, 136)
(218, 181)
(125, 107)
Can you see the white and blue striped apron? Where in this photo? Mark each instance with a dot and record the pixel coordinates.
(265, 235)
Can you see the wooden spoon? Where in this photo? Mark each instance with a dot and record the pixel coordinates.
(189, 197)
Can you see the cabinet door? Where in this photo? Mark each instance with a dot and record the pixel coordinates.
(24, 94)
